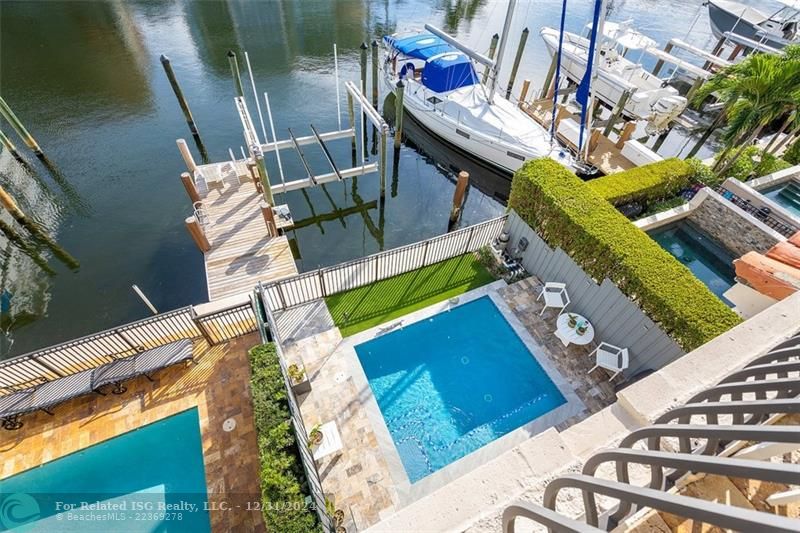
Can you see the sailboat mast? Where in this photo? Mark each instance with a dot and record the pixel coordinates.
(501, 47)
(595, 72)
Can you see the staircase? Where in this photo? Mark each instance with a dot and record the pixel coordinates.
(790, 196)
(729, 459)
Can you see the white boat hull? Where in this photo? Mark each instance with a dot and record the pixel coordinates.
(616, 76)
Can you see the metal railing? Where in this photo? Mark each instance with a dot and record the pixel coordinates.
(709, 430)
(323, 282)
(98, 349)
(762, 213)
(270, 328)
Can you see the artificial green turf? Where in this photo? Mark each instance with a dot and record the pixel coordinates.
(368, 306)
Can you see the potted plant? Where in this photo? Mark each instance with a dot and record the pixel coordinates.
(572, 320)
(300, 382)
(337, 515)
(315, 436)
(581, 329)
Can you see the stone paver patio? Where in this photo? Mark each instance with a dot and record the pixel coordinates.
(359, 479)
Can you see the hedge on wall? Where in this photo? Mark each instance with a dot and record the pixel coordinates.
(647, 183)
(569, 215)
(283, 481)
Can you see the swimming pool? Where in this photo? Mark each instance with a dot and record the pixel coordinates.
(709, 262)
(149, 479)
(452, 383)
(786, 195)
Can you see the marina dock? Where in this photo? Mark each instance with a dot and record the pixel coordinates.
(242, 251)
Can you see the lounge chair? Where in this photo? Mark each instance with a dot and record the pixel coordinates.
(611, 358)
(555, 296)
(44, 396)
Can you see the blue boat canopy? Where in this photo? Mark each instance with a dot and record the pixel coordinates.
(448, 72)
(422, 46)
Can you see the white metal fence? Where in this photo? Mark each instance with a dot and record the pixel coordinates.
(327, 281)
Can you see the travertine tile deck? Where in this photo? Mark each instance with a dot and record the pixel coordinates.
(218, 385)
(359, 479)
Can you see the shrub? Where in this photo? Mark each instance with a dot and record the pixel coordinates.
(702, 173)
(754, 163)
(568, 214)
(792, 155)
(283, 480)
(648, 183)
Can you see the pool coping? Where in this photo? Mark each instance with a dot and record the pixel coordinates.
(405, 491)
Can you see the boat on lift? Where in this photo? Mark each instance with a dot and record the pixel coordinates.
(777, 29)
(650, 98)
(444, 94)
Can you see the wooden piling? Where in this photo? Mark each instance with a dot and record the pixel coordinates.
(33, 228)
(520, 49)
(269, 218)
(548, 80)
(186, 154)
(735, 52)
(363, 63)
(187, 113)
(458, 195)
(526, 85)
(660, 62)
(374, 74)
(492, 50)
(594, 140)
(191, 190)
(262, 174)
(627, 133)
(198, 235)
(23, 133)
(237, 79)
(661, 138)
(398, 114)
(618, 109)
(10, 146)
(383, 164)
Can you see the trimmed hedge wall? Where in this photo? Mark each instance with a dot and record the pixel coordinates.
(569, 215)
(283, 481)
(648, 183)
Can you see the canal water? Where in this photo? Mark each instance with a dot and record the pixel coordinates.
(86, 80)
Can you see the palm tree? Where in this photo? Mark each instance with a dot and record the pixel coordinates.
(755, 92)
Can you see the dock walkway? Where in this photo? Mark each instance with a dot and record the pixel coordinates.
(242, 253)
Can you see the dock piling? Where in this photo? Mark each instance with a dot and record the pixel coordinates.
(363, 58)
(186, 154)
(618, 109)
(237, 79)
(374, 46)
(10, 146)
(262, 174)
(191, 190)
(627, 132)
(383, 165)
(269, 218)
(187, 113)
(523, 94)
(458, 196)
(351, 115)
(23, 133)
(197, 233)
(520, 49)
(398, 111)
(492, 50)
(660, 63)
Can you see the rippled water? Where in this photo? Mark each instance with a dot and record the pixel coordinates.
(86, 80)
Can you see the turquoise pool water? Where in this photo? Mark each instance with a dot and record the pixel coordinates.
(158, 467)
(709, 261)
(786, 195)
(453, 383)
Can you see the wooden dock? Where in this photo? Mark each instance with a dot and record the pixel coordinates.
(242, 252)
(605, 155)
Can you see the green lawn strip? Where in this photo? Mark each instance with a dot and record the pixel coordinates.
(368, 306)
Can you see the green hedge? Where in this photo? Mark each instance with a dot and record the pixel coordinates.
(792, 154)
(567, 214)
(283, 482)
(648, 183)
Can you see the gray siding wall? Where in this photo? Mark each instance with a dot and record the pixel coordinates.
(615, 318)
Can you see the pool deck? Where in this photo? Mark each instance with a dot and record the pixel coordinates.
(365, 479)
(218, 385)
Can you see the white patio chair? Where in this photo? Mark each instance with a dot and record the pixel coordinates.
(555, 296)
(611, 358)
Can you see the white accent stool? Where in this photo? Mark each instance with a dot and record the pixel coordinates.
(555, 296)
(611, 358)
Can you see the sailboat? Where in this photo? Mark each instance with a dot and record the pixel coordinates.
(649, 97)
(444, 94)
(777, 29)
